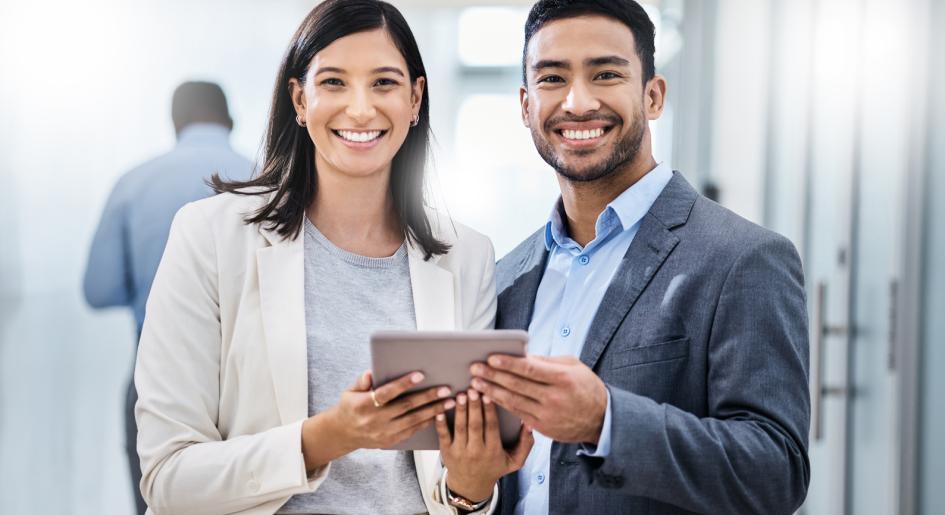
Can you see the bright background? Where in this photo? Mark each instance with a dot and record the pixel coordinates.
(822, 119)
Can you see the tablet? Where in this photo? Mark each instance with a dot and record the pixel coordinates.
(444, 358)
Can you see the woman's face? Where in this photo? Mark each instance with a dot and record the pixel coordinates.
(357, 102)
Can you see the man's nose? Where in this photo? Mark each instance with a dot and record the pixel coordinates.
(580, 99)
(361, 106)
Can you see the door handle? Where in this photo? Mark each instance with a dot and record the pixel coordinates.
(822, 330)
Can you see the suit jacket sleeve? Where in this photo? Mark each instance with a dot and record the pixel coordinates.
(187, 464)
(750, 454)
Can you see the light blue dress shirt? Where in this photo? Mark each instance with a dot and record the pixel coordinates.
(135, 223)
(571, 289)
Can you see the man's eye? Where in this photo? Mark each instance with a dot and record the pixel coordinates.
(551, 78)
(607, 75)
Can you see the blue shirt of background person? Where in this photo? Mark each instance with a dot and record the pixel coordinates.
(135, 223)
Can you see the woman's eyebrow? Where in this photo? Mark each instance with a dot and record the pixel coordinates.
(329, 69)
(391, 69)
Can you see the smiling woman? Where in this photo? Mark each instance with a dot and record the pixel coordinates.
(249, 369)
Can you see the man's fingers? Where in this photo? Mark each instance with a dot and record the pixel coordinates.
(510, 381)
(459, 421)
(530, 367)
(517, 404)
(443, 432)
(474, 417)
(393, 389)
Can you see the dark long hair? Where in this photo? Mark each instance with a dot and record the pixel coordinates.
(288, 163)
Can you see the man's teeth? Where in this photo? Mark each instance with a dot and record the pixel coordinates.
(359, 137)
(593, 133)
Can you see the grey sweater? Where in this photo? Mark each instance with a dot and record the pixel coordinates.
(347, 297)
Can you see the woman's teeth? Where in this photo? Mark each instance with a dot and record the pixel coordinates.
(572, 134)
(360, 137)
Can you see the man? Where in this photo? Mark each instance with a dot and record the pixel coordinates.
(131, 235)
(668, 354)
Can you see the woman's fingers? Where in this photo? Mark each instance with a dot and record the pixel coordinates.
(415, 400)
(525, 441)
(419, 416)
(393, 389)
(459, 421)
(491, 435)
(443, 432)
(363, 383)
(474, 420)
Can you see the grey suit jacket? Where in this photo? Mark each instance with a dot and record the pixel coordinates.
(701, 338)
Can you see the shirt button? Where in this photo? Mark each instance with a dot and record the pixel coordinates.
(565, 331)
(540, 478)
(584, 260)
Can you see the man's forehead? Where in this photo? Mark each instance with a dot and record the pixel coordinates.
(580, 38)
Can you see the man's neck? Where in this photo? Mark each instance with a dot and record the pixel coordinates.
(585, 201)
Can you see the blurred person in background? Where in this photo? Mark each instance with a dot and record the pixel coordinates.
(135, 223)
(668, 358)
(251, 368)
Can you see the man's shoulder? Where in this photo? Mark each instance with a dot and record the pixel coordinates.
(714, 230)
(508, 268)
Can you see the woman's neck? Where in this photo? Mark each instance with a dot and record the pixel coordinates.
(356, 213)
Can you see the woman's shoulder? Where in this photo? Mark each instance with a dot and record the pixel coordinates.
(224, 213)
(465, 242)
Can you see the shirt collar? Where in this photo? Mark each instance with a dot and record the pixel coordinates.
(624, 211)
(203, 133)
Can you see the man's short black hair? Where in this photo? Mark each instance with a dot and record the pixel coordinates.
(628, 12)
(199, 102)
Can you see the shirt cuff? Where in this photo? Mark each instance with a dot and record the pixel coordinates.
(602, 449)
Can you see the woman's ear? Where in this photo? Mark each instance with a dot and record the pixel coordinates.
(416, 94)
(297, 94)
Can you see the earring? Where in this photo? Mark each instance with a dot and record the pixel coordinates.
(415, 120)
(299, 120)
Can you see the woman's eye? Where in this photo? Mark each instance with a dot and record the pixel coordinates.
(385, 82)
(332, 82)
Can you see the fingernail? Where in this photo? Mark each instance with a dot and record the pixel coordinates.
(476, 370)
(443, 392)
(461, 399)
(495, 361)
(486, 399)
(450, 404)
(476, 383)
(416, 377)
(473, 395)
(440, 417)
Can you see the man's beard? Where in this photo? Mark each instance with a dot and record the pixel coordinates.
(625, 150)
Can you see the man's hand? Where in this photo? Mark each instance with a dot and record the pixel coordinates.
(560, 397)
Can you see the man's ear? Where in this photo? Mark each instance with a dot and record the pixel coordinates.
(297, 94)
(523, 99)
(654, 97)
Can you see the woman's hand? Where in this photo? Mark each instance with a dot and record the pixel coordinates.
(357, 423)
(474, 456)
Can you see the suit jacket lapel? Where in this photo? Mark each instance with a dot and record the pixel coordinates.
(651, 246)
(517, 301)
(432, 286)
(281, 268)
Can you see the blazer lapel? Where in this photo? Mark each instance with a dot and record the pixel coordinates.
(651, 246)
(517, 300)
(281, 269)
(432, 287)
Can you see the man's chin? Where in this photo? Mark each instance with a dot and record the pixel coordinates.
(584, 172)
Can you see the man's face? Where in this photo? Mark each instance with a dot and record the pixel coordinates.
(584, 100)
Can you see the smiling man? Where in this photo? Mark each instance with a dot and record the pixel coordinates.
(667, 367)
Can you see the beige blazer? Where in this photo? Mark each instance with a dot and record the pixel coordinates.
(222, 373)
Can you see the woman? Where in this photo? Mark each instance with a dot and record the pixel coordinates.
(262, 306)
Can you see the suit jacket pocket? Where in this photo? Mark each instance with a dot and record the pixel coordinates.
(677, 348)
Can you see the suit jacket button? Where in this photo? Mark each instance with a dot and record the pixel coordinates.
(253, 485)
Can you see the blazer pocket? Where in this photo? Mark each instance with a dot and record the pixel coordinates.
(664, 351)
